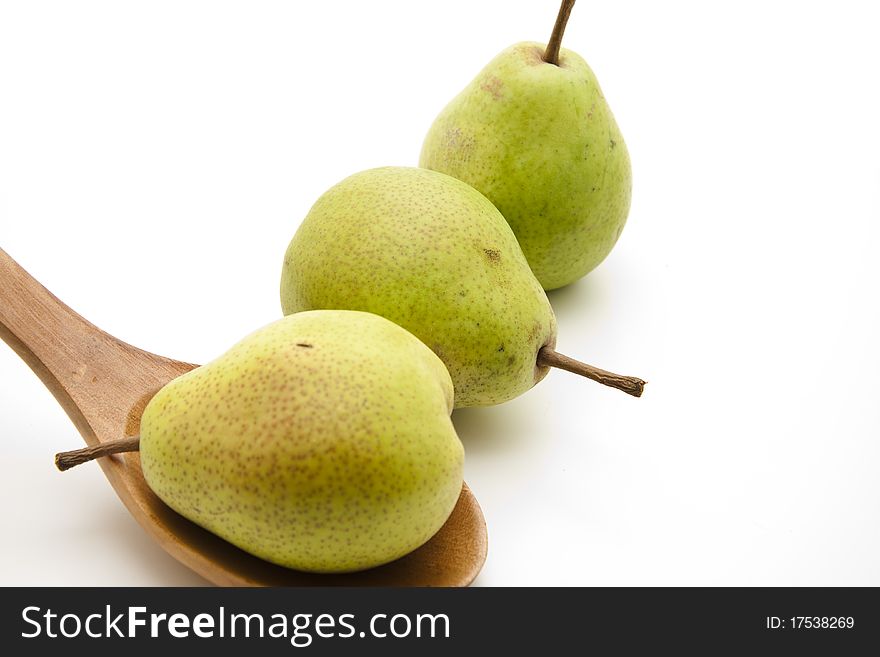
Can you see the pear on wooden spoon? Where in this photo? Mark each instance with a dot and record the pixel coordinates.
(104, 384)
(321, 442)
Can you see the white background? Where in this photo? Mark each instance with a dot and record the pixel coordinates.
(156, 158)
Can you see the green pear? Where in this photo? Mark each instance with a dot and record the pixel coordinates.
(433, 255)
(534, 133)
(321, 442)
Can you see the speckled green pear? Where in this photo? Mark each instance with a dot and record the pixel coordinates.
(321, 442)
(435, 256)
(539, 140)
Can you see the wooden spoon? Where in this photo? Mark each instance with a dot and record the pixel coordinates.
(104, 385)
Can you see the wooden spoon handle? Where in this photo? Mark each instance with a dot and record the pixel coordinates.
(96, 378)
(49, 336)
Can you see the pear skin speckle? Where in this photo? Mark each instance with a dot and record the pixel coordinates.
(433, 255)
(321, 442)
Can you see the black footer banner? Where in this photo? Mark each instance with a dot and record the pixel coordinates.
(421, 622)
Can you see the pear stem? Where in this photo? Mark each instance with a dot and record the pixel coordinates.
(66, 460)
(551, 54)
(631, 385)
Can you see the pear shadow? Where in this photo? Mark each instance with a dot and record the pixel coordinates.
(509, 427)
(579, 298)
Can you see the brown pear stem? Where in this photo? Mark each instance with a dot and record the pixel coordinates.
(629, 384)
(66, 460)
(551, 54)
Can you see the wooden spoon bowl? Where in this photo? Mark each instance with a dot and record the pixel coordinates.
(104, 384)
